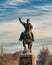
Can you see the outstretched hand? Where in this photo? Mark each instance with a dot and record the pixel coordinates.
(19, 18)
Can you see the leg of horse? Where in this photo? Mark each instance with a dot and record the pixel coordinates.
(30, 46)
(24, 45)
(32, 36)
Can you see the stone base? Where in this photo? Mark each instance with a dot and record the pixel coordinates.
(26, 59)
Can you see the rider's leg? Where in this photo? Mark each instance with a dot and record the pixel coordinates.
(21, 36)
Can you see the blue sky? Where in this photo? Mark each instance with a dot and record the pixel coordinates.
(13, 9)
(40, 14)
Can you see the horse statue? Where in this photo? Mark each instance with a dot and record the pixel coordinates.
(27, 36)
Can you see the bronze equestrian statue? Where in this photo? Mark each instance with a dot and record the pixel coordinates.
(27, 36)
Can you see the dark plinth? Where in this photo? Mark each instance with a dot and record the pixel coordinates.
(26, 59)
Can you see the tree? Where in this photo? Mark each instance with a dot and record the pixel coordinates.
(43, 55)
(49, 61)
(2, 50)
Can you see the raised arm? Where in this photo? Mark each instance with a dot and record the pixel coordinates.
(20, 20)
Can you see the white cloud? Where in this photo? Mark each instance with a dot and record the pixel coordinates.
(10, 31)
(20, 0)
(15, 47)
(42, 25)
(42, 28)
(13, 2)
(47, 9)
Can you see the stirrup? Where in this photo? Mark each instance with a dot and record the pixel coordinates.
(20, 39)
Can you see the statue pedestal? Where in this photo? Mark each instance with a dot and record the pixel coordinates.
(26, 59)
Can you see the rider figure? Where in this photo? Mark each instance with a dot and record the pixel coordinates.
(28, 27)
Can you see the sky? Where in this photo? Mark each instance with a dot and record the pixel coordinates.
(39, 12)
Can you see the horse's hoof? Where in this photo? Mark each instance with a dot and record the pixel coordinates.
(24, 51)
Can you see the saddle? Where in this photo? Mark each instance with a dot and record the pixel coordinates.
(26, 35)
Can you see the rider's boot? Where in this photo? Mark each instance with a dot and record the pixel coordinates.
(21, 36)
(20, 39)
